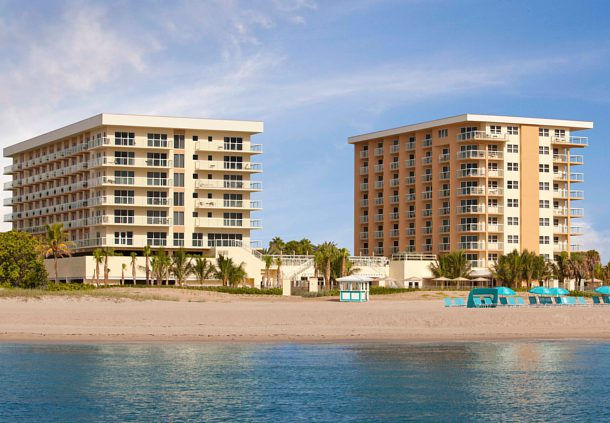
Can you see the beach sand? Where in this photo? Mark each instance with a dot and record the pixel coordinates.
(201, 316)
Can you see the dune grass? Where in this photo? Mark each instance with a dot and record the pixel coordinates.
(117, 295)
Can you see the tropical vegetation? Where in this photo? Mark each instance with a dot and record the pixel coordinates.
(21, 261)
(451, 266)
(56, 244)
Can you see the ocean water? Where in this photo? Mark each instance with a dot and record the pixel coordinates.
(512, 381)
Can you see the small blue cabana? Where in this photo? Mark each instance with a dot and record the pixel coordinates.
(354, 288)
(491, 293)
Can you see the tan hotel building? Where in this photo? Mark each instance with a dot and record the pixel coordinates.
(479, 183)
(126, 181)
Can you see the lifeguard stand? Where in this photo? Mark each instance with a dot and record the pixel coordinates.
(354, 289)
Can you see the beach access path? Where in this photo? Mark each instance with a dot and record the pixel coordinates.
(180, 315)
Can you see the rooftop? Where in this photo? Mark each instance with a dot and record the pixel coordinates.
(147, 121)
(573, 125)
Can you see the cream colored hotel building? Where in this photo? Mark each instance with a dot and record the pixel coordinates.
(126, 181)
(479, 183)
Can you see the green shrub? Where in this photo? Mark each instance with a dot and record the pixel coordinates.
(52, 286)
(382, 290)
(583, 294)
(21, 263)
(238, 290)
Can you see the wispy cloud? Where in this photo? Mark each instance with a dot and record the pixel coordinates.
(595, 238)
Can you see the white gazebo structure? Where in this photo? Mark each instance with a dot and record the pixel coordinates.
(354, 288)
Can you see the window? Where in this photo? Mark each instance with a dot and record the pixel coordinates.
(560, 133)
(178, 179)
(232, 219)
(512, 148)
(156, 198)
(544, 186)
(443, 133)
(179, 160)
(233, 162)
(543, 149)
(123, 238)
(224, 240)
(512, 166)
(544, 221)
(210, 138)
(513, 239)
(122, 196)
(543, 132)
(124, 138)
(543, 168)
(156, 178)
(156, 217)
(544, 204)
(156, 239)
(179, 218)
(512, 184)
(512, 130)
(157, 140)
(195, 157)
(544, 240)
(178, 239)
(513, 221)
(197, 240)
(179, 142)
(156, 159)
(495, 129)
(513, 202)
(123, 216)
(195, 138)
(123, 177)
(123, 158)
(233, 143)
(178, 199)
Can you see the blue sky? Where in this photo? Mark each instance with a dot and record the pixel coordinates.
(315, 72)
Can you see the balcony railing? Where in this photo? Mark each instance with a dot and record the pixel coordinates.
(443, 158)
(410, 197)
(364, 235)
(220, 184)
(410, 146)
(364, 154)
(410, 163)
(378, 234)
(378, 168)
(394, 165)
(471, 209)
(394, 216)
(394, 148)
(379, 201)
(364, 186)
(481, 135)
(364, 202)
(394, 199)
(364, 170)
(228, 166)
(426, 160)
(219, 222)
(473, 245)
(574, 141)
(394, 182)
(410, 180)
(471, 227)
(379, 151)
(471, 190)
(244, 147)
(444, 175)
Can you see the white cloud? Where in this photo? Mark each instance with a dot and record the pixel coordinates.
(594, 238)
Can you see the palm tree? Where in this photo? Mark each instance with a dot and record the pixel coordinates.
(134, 259)
(307, 248)
(278, 262)
(98, 256)
(578, 270)
(107, 252)
(123, 267)
(528, 266)
(268, 260)
(203, 269)
(223, 269)
(592, 260)
(160, 264)
(451, 265)
(562, 264)
(508, 269)
(323, 257)
(147, 252)
(56, 244)
(181, 266)
(238, 274)
(276, 245)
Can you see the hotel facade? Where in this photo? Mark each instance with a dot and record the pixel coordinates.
(126, 181)
(483, 184)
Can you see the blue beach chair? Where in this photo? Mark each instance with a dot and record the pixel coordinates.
(533, 301)
(596, 300)
(477, 302)
(582, 301)
(447, 302)
(571, 300)
(558, 300)
(511, 301)
(459, 302)
(520, 301)
(503, 301)
(488, 302)
(606, 299)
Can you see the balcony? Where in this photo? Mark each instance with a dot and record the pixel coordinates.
(560, 211)
(495, 246)
(410, 146)
(427, 177)
(394, 216)
(426, 195)
(426, 230)
(444, 175)
(443, 193)
(394, 165)
(364, 202)
(571, 141)
(364, 186)
(135, 220)
(394, 148)
(480, 155)
(378, 168)
(426, 212)
(444, 247)
(495, 209)
(443, 158)
(576, 159)
(495, 192)
(410, 231)
(495, 227)
(217, 165)
(394, 199)
(471, 209)
(577, 177)
(471, 172)
(219, 222)
(111, 200)
(394, 182)
(443, 211)
(471, 227)
(426, 248)
(473, 245)
(208, 203)
(130, 162)
(243, 148)
(572, 195)
(577, 212)
(378, 251)
(410, 180)
(410, 214)
(378, 218)
(410, 197)
(378, 185)
(379, 151)
(444, 229)
(364, 154)
(427, 142)
(364, 236)
(378, 234)
(364, 170)
(482, 136)
(379, 201)
(477, 263)
(364, 219)
(471, 191)
(410, 163)
(223, 185)
(426, 160)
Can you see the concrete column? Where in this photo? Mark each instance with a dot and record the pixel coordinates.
(286, 288)
(313, 284)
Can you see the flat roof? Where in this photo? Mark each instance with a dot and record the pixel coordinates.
(114, 119)
(469, 117)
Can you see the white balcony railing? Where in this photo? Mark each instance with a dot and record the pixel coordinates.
(481, 135)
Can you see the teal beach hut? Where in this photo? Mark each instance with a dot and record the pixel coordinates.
(354, 288)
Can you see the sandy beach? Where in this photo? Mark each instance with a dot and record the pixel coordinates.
(200, 316)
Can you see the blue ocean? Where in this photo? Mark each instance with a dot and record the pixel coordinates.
(504, 381)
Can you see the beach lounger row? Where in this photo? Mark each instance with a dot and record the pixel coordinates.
(457, 302)
(601, 300)
(548, 301)
(511, 301)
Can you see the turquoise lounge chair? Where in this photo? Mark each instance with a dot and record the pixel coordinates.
(571, 300)
(488, 302)
(477, 302)
(596, 300)
(511, 301)
(503, 301)
(447, 302)
(520, 301)
(558, 300)
(582, 301)
(606, 299)
(459, 302)
(533, 300)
